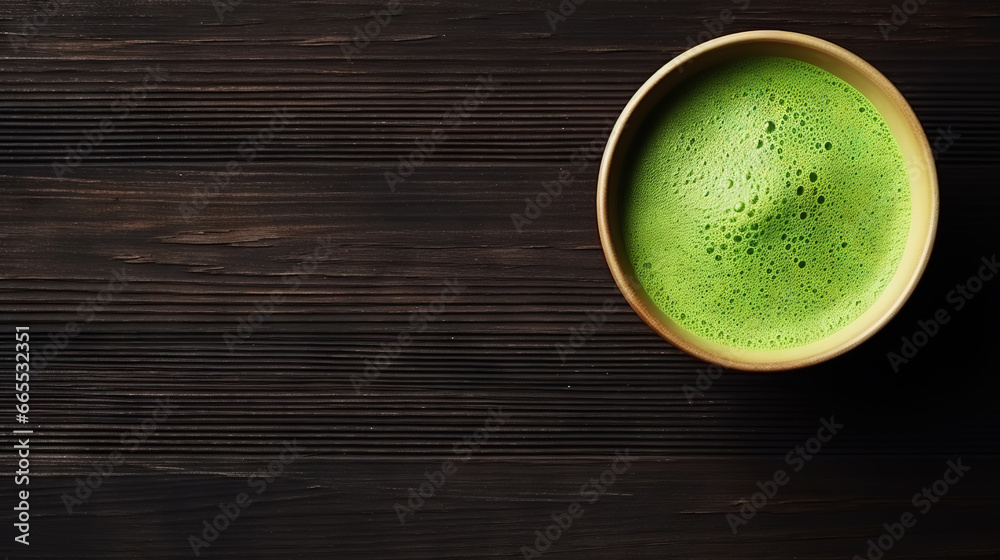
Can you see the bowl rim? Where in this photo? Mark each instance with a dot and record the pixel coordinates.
(629, 285)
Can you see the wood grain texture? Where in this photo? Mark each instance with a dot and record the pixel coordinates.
(191, 281)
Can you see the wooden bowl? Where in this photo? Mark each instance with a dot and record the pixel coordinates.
(904, 126)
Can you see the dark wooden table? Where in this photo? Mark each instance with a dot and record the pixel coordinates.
(224, 308)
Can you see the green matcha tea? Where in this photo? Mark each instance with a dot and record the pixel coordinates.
(765, 204)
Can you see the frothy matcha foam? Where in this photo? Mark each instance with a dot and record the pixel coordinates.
(765, 204)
